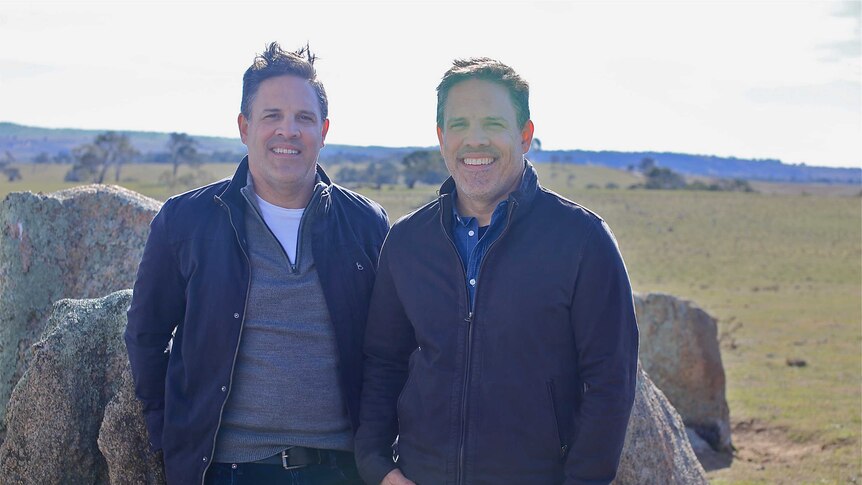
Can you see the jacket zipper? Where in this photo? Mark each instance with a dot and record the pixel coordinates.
(293, 264)
(469, 319)
(238, 340)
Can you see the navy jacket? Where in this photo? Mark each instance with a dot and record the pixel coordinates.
(193, 280)
(533, 384)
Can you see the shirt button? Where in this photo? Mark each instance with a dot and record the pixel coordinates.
(233, 465)
(471, 233)
(472, 281)
(205, 458)
(223, 388)
(236, 315)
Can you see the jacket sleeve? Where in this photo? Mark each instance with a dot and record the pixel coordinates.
(158, 306)
(389, 341)
(603, 320)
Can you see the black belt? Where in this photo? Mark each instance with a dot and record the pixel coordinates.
(300, 456)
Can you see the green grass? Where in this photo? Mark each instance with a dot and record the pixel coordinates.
(781, 270)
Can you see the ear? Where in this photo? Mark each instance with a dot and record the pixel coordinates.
(527, 136)
(242, 123)
(440, 138)
(323, 132)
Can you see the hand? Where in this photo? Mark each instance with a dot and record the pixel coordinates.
(395, 477)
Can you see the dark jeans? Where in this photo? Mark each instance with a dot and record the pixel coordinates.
(257, 474)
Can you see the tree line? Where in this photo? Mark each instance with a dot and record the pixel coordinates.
(105, 156)
(91, 162)
(663, 178)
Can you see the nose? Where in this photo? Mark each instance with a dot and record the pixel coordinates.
(476, 137)
(288, 128)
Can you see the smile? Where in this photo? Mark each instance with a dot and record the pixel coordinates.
(478, 161)
(285, 151)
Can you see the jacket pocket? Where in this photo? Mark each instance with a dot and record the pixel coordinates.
(564, 447)
(410, 372)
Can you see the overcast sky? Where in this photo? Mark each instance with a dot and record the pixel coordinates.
(752, 79)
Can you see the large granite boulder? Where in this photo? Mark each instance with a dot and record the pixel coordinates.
(73, 417)
(657, 449)
(83, 242)
(679, 350)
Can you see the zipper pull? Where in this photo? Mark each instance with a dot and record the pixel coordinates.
(469, 318)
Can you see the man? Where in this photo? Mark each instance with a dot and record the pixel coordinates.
(501, 346)
(258, 288)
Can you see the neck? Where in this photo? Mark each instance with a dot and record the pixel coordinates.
(478, 209)
(287, 197)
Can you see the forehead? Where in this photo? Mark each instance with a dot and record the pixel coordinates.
(286, 93)
(478, 98)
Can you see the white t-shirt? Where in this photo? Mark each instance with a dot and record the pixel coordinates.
(284, 223)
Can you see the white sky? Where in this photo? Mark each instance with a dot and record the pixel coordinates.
(752, 79)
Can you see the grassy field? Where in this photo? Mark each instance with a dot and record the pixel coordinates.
(781, 269)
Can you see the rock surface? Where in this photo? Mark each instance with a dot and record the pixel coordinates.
(83, 242)
(656, 450)
(73, 417)
(679, 350)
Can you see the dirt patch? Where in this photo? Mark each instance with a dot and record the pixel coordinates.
(758, 442)
(759, 446)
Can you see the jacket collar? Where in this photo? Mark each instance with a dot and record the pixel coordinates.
(523, 196)
(232, 193)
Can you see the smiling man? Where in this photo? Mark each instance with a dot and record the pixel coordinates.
(258, 288)
(501, 345)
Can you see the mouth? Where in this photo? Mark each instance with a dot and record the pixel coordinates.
(285, 151)
(475, 161)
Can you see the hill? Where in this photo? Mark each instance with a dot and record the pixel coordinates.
(25, 143)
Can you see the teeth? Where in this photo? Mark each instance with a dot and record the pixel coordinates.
(478, 161)
(285, 151)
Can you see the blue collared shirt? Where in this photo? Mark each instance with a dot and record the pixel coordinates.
(473, 241)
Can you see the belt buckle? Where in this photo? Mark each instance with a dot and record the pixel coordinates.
(284, 457)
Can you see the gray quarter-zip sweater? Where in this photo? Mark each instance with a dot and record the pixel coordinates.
(286, 389)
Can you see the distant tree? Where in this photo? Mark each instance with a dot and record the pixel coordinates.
(663, 178)
(379, 173)
(536, 145)
(11, 173)
(374, 174)
(93, 160)
(63, 157)
(183, 150)
(42, 157)
(7, 158)
(646, 165)
(118, 151)
(349, 175)
(88, 161)
(724, 185)
(736, 185)
(424, 166)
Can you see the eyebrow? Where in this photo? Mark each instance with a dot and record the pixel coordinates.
(495, 118)
(301, 112)
(486, 118)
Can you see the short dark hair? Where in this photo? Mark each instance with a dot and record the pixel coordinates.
(491, 70)
(276, 62)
